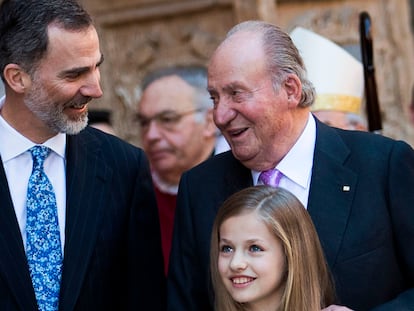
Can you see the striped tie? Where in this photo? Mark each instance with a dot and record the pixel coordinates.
(270, 177)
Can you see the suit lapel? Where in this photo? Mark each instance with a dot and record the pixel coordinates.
(86, 190)
(332, 190)
(13, 264)
(237, 176)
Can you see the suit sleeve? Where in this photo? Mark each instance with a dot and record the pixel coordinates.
(401, 209)
(187, 275)
(146, 269)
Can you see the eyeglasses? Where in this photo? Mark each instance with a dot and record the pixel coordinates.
(165, 119)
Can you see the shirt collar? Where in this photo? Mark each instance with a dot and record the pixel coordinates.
(163, 186)
(297, 163)
(13, 143)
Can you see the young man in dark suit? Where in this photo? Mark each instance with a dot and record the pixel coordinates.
(87, 236)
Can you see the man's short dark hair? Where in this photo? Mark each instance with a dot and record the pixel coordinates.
(24, 25)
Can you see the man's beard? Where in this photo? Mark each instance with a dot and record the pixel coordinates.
(52, 114)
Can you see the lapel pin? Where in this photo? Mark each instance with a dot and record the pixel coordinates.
(346, 188)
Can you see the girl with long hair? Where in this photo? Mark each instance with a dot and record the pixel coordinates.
(266, 255)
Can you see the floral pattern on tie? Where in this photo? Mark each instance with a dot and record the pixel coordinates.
(43, 248)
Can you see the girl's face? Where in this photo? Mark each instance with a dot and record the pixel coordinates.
(251, 262)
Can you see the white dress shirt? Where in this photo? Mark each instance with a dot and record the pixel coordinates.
(18, 164)
(296, 166)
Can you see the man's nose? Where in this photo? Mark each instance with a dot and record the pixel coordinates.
(152, 131)
(223, 113)
(92, 87)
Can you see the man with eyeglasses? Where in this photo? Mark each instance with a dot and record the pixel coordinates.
(177, 132)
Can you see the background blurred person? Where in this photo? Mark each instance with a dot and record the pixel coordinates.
(177, 132)
(338, 79)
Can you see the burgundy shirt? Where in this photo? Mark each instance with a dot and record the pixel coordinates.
(166, 210)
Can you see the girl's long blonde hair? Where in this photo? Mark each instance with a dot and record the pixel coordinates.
(308, 286)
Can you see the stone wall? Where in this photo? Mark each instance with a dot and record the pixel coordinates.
(139, 35)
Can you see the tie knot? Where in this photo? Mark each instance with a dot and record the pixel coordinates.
(270, 177)
(39, 154)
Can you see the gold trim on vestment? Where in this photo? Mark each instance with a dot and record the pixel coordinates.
(345, 103)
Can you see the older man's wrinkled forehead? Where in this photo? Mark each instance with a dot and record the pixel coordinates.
(239, 43)
(241, 48)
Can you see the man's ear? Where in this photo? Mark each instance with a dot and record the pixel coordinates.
(293, 88)
(17, 78)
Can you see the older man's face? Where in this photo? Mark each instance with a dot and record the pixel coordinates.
(254, 118)
(171, 134)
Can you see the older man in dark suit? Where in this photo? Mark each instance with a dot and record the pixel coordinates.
(79, 227)
(357, 186)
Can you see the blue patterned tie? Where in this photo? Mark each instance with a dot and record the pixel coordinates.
(271, 177)
(43, 248)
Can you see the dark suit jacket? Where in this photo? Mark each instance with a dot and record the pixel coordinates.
(112, 258)
(367, 233)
